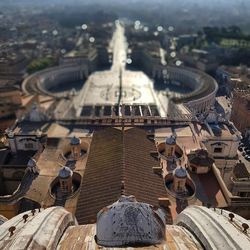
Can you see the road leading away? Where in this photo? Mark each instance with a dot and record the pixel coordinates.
(119, 46)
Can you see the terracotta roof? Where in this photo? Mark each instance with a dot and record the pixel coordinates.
(139, 178)
(101, 183)
(118, 161)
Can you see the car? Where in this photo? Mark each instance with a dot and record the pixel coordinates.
(241, 144)
(240, 149)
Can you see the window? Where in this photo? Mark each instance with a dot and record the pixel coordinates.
(217, 150)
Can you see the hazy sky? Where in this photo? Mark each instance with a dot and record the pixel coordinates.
(201, 12)
(205, 2)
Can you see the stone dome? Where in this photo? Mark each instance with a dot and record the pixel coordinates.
(31, 163)
(2, 219)
(180, 172)
(75, 141)
(194, 228)
(42, 230)
(171, 140)
(214, 229)
(130, 223)
(65, 172)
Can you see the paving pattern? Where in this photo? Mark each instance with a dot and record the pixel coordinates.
(117, 85)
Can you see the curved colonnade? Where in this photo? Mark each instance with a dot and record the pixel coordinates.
(204, 88)
(42, 81)
(199, 100)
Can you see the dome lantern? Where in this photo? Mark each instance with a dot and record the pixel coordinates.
(180, 177)
(65, 178)
(75, 147)
(75, 141)
(65, 172)
(170, 144)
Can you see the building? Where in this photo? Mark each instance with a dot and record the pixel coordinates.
(42, 81)
(119, 146)
(241, 110)
(87, 56)
(207, 150)
(233, 77)
(200, 59)
(200, 161)
(10, 103)
(240, 181)
(12, 63)
(123, 224)
(198, 97)
(200, 87)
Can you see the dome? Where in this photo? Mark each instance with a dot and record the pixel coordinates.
(194, 228)
(180, 172)
(65, 172)
(171, 140)
(42, 230)
(213, 227)
(56, 228)
(31, 163)
(129, 223)
(2, 219)
(75, 141)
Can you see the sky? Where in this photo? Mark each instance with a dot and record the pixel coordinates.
(205, 2)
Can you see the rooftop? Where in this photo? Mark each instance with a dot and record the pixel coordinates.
(49, 165)
(200, 158)
(240, 171)
(239, 74)
(218, 231)
(126, 157)
(54, 228)
(121, 217)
